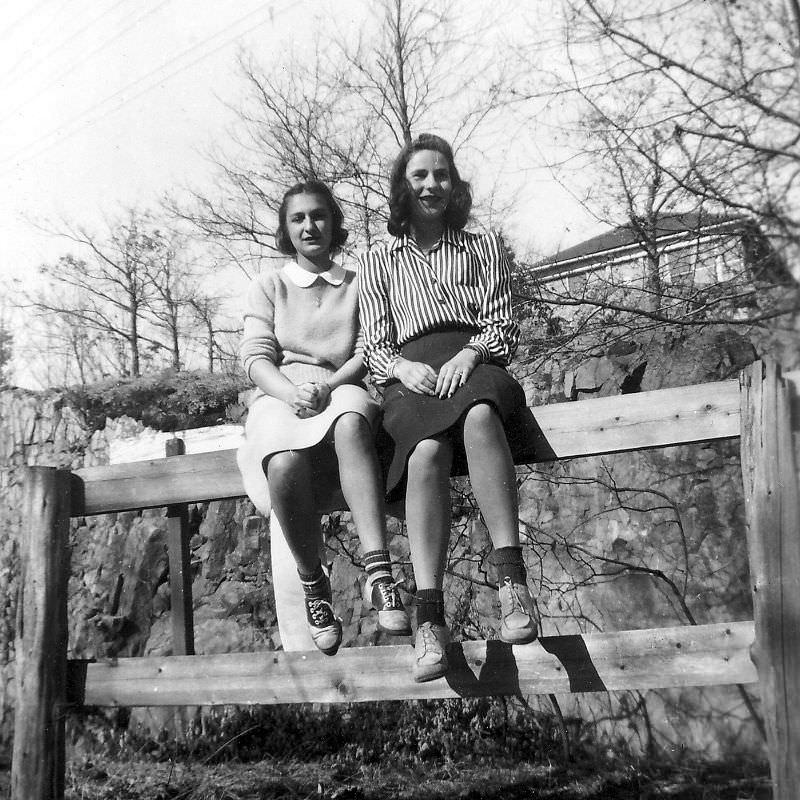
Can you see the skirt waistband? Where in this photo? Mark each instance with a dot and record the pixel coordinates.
(436, 347)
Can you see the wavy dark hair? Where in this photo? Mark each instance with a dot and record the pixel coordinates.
(339, 235)
(457, 212)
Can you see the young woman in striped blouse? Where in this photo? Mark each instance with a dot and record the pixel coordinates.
(309, 428)
(435, 310)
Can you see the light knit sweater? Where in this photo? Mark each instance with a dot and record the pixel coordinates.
(308, 332)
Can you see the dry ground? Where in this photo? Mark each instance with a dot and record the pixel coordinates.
(420, 780)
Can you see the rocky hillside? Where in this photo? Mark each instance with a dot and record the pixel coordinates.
(618, 542)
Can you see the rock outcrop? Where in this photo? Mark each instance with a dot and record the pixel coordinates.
(615, 542)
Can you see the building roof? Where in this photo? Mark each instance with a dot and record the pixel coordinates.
(628, 237)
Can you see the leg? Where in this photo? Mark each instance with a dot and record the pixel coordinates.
(362, 487)
(428, 523)
(289, 479)
(359, 474)
(491, 472)
(428, 510)
(289, 476)
(494, 483)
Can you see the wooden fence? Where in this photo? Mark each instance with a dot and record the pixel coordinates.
(762, 409)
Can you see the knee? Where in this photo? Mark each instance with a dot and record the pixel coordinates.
(284, 470)
(351, 429)
(481, 421)
(430, 457)
(351, 424)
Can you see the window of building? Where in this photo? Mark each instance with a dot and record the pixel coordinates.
(628, 273)
(577, 284)
(695, 265)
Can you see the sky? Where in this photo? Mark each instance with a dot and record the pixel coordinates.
(108, 105)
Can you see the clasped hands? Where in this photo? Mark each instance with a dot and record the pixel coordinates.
(310, 399)
(423, 379)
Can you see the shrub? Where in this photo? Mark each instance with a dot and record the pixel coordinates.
(167, 400)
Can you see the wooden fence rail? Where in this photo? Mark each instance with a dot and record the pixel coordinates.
(702, 655)
(566, 430)
(764, 412)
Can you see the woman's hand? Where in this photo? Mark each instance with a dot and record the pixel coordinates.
(416, 376)
(323, 396)
(455, 372)
(304, 400)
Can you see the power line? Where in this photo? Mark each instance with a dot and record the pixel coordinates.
(24, 154)
(52, 20)
(85, 59)
(60, 46)
(22, 18)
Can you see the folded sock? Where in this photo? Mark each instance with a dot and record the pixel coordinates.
(507, 562)
(378, 564)
(430, 606)
(315, 584)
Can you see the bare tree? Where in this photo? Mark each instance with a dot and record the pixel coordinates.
(286, 135)
(706, 93)
(6, 350)
(686, 110)
(71, 352)
(219, 338)
(176, 275)
(342, 115)
(123, 303)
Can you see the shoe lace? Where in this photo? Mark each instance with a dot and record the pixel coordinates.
(389, 595)
(321, 612)
(509, 598)
(429, 638)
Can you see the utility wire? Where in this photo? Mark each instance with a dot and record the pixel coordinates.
(22, 18)
(84, 60)
(60, 46)
(24, 154)
(52, 20)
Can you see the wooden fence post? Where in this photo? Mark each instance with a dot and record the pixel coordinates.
(773, 535)
(38, 762)
(180, 569)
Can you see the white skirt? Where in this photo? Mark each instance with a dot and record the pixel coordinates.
(272, 427)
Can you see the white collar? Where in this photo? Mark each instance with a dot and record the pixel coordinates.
(303, 278)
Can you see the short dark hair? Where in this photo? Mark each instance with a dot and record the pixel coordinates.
(457, 212)
(339, 236)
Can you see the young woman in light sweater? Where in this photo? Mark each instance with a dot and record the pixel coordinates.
(301, 349)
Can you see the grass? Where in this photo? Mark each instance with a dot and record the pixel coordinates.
(475, 779)
(469, 749)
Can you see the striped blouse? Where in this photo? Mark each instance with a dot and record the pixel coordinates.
(464, 281)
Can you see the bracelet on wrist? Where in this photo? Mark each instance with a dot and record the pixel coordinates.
(475, 349)
(392, 366)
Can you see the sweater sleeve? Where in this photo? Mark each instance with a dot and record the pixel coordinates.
(378, 335)
(499, 334)
(258, 340)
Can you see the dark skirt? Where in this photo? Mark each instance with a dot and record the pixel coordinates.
(408, 417)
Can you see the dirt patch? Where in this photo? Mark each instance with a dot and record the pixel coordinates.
(473, 780)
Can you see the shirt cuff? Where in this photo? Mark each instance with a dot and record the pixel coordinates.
(481, 349)
(390, 367)
(379, 361)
